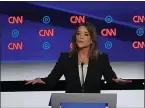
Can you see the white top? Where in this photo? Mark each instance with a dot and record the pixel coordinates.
(85, 68)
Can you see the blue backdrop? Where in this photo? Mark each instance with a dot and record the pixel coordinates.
(36, 50)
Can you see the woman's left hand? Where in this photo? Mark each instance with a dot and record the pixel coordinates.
(119, 80)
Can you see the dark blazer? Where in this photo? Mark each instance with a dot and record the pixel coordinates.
(68, 66)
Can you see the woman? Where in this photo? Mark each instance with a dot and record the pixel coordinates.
(83, 57)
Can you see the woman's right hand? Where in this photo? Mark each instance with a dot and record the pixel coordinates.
(34, 81)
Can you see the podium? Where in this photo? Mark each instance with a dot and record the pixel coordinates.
(80, 99)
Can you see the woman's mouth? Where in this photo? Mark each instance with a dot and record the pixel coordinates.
(80, 41)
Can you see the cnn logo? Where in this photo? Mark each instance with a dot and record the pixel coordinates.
(138, 45)
(138, 19)
(108, 32)
(48, 32)
(77, 19)
(15, 19)
(15, 46)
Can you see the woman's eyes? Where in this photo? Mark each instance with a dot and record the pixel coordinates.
(78, 33)
(84, 34)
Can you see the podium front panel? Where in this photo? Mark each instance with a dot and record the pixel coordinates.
(58, 98)
(82, 105)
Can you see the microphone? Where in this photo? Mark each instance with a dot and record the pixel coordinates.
(82, 78)
(82, 64)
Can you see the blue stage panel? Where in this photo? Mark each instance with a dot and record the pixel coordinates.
(83, 105)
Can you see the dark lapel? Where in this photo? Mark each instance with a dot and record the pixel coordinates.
(76, 70)
(89, 72)
(92, 68)
(74, 61)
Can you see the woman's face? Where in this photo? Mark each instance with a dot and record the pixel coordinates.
(83, 38)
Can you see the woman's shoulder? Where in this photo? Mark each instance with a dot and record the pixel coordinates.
(103, 54)
(67, 54)
(64, 55)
